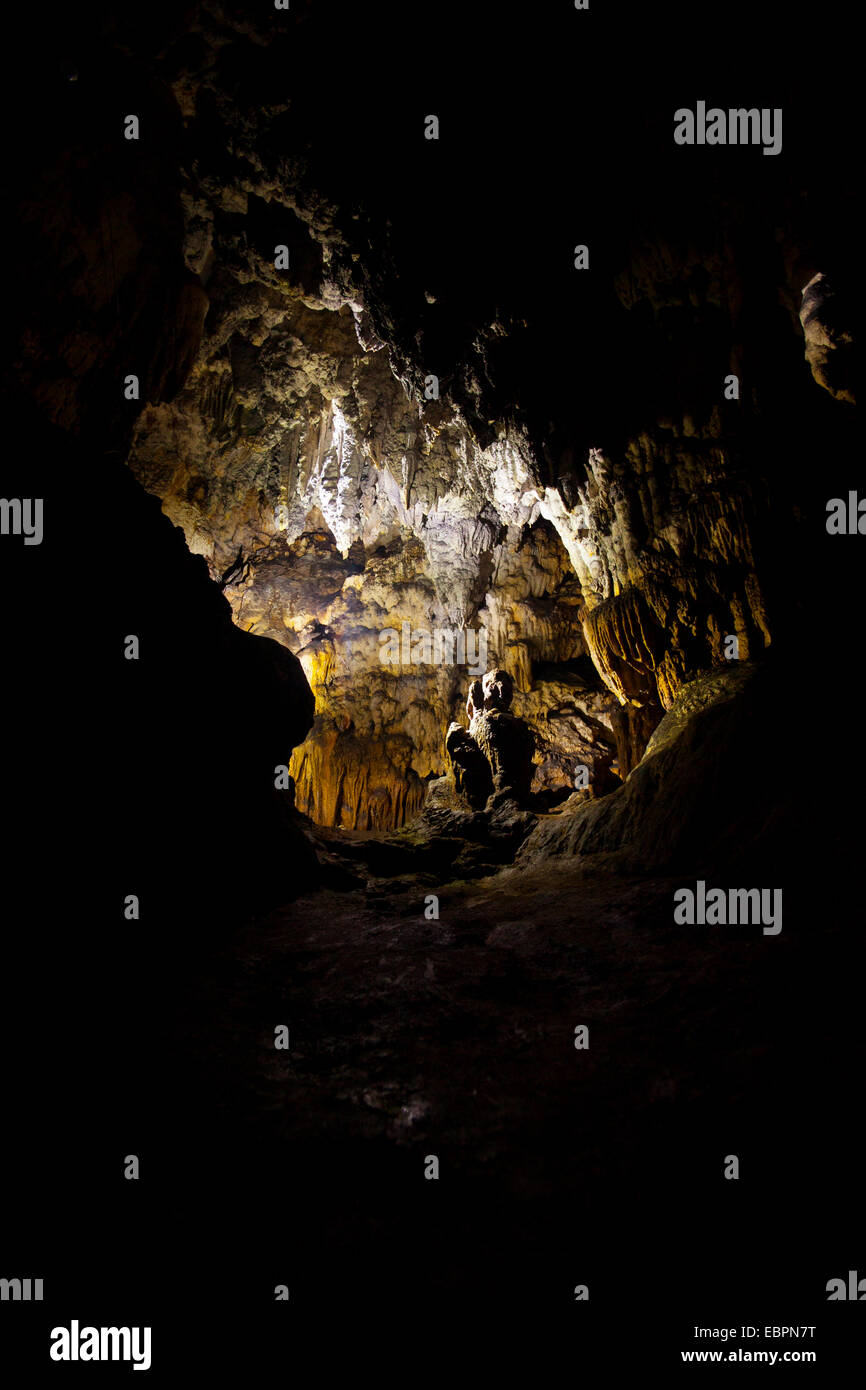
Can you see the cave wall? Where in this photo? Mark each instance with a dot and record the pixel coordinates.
(334, 501)
(190, 818)
(605, 501)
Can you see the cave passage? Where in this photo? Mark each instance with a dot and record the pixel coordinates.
(431, 882)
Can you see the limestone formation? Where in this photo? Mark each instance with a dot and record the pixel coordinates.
(495, 756)
(829, 335)
(497, 689)
(473, 779)
(602, 519)
(684, 800)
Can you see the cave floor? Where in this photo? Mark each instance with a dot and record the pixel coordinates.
(455, 1037)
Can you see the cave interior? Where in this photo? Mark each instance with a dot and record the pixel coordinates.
(377, 400)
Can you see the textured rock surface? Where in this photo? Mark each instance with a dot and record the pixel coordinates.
(305, 462)
(411, 1027)
(197, 724)
(597, 496)
(507, 742)
(495, 755)
(683, 804)
(470, 769)
(827, 326)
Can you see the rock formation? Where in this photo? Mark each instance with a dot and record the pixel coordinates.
(495, 756)
(358, 445)
(829, 334)
(606, 545)
(473, 779)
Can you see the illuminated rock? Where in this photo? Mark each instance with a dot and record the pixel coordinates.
(827, 328)
(495, 755)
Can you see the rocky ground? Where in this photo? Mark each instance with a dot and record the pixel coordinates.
(456, 1037)
(414, 1034)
